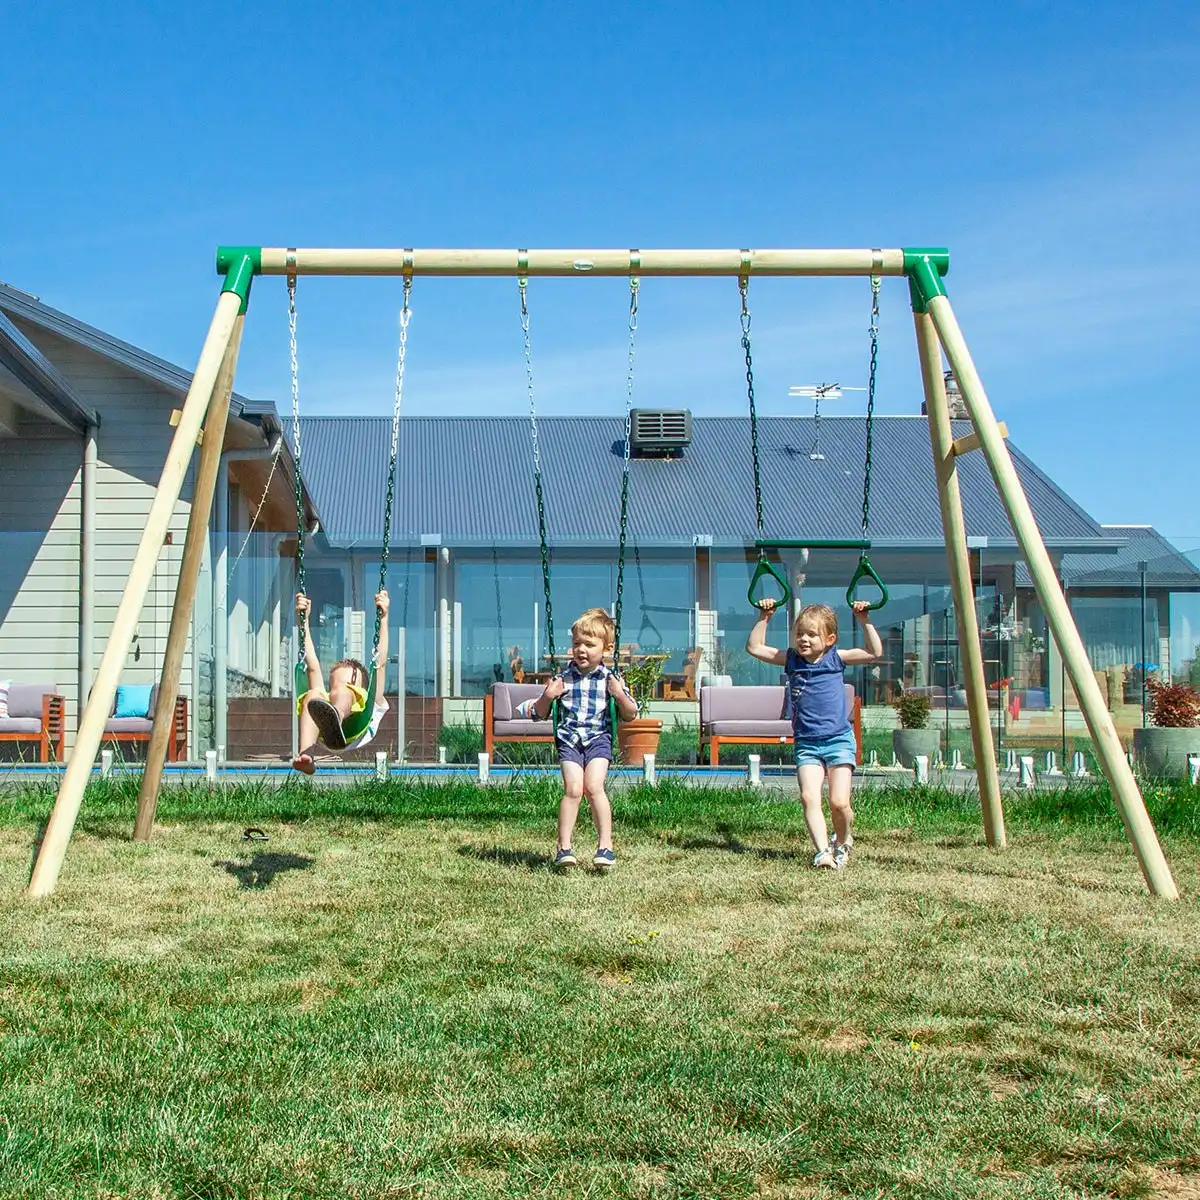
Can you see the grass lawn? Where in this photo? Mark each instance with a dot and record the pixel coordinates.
(395, 997)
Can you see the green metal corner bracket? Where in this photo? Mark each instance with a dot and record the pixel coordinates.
(239, 265)
(925, 266)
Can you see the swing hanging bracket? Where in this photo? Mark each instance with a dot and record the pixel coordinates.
(925, 267)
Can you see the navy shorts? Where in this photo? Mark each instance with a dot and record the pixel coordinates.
(598, 747)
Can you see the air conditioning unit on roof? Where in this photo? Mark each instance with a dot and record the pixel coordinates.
(659, 431)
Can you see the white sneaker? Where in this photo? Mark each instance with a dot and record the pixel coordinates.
(824, 858)
(841, 854)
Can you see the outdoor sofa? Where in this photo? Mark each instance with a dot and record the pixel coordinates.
(756, 715)
(35, 713)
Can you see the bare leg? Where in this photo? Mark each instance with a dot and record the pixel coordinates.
(594, 775)
(568, 808)
(811, 777)
(839, 803)
(342, 698)
(308, 738)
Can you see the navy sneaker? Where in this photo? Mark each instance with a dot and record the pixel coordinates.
(565, 858)
(604, 858)
(328, 721)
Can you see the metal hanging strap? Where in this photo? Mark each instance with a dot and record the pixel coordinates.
(765, 569)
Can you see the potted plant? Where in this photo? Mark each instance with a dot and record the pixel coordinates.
(719, 660)
(639, 737)
(913, 737)
(1162, 748)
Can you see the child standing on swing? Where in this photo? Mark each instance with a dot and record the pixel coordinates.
(823, 739)
(322, 713)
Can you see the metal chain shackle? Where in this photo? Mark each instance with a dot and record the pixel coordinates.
(401, 356)
(523, 285)
(635, 262)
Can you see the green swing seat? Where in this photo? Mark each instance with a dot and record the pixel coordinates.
(356, 724)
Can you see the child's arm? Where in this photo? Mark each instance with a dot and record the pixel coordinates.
(873, 651)
(312, 664)
(382, 603)
(554, 689)
(756, 643)
(627, 708)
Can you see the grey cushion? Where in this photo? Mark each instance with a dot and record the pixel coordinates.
(25, 699)
(742, 704)
(520, 728)
(506, 697)
(20, 725)
(763, 708)
(128, 725)
(771, 729)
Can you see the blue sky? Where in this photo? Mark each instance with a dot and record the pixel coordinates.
(1052, 148)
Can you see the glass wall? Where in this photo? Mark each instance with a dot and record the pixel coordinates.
(412, 593)
(501, 599)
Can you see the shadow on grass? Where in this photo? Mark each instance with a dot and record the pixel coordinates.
(506, 858)
(734, 845)
(260, 871)
(38, 838)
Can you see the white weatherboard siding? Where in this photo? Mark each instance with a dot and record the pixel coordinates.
(40, 516)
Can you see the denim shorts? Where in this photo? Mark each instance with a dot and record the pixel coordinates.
(599, 747)
(840, 750)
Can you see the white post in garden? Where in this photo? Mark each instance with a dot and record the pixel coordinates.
(648, 771)
(1028, 779)
(210, 766)
(106, 763)
(381, 764)
(921, 768)
(754, 769)
(1193, 765)
(484, 769)
(1079, 768)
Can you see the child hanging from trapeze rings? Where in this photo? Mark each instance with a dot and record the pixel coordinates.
(321, 713)
(822, 737)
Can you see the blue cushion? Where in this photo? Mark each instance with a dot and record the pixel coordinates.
(133, 700)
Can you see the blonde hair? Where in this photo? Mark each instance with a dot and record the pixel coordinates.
(820, 615)
(595, 623)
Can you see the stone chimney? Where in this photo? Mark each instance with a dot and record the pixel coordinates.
(954, 400)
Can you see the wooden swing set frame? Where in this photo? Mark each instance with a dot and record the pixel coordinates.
(937, 330)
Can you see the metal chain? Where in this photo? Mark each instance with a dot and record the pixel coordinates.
(634, 284)
(303, 623)
(405, 316)
(744, 288)
(876, 280)
(523, 284)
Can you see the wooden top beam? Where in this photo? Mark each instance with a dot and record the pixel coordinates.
(564, 263)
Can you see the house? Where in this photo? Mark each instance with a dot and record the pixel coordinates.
(84, 429)
(85, 422)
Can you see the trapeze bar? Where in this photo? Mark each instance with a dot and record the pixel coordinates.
(277, 261)
(811, 544)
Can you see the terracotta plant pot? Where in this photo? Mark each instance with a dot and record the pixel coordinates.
(637, 738)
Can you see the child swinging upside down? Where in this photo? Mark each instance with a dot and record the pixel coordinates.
(822, 737)
(322, 713)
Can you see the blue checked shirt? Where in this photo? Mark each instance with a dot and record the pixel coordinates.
(583, 707)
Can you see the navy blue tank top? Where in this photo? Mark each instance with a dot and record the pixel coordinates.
(817, 694)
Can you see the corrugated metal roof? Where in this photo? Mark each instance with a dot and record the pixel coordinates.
(1165, 566)
(470, 481)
